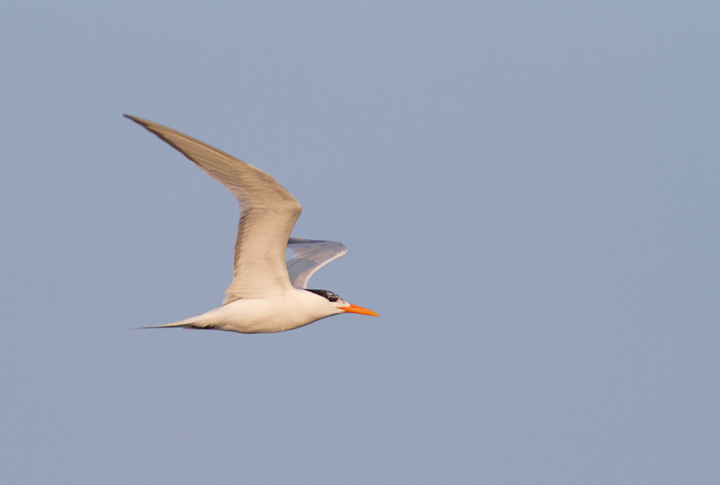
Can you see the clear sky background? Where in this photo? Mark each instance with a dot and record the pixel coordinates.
(529, 195)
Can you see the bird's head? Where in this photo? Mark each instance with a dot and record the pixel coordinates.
(337, 302)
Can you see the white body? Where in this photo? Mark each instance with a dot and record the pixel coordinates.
(273, 313)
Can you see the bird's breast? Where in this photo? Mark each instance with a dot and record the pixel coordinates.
(275, 313)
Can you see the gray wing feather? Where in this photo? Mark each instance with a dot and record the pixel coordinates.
(309, 256)
(267, 215)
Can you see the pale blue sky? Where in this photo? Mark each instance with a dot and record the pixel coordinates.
(529, 196)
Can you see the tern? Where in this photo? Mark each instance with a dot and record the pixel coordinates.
(267, 293)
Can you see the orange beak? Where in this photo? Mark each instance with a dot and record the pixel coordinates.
(358, 309)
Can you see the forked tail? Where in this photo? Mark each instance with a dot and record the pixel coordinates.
(190, 323)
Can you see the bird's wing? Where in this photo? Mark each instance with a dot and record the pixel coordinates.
(309, 256)
(267, 215)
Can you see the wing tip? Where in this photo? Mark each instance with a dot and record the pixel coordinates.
(137, 120)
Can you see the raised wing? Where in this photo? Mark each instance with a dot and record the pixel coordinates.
(309, 256)
(267, 215)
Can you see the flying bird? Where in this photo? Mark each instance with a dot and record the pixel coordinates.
(267, 293)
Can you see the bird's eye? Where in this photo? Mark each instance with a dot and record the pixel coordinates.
(328, 295)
